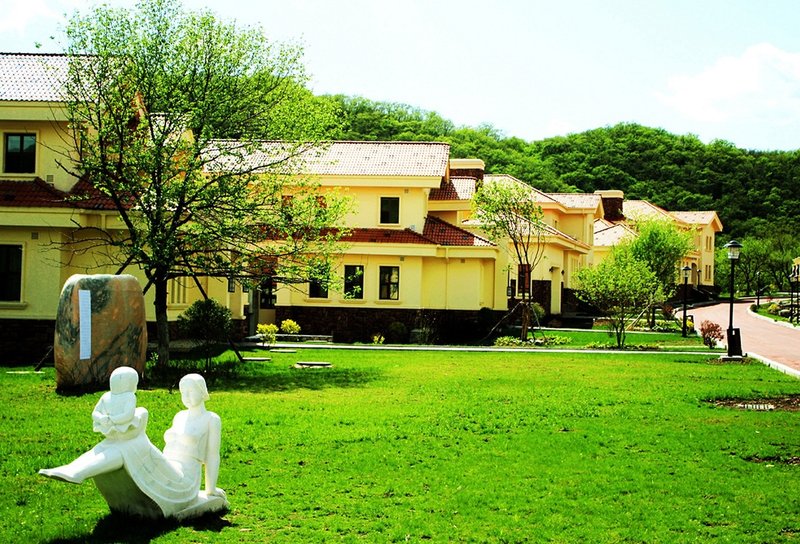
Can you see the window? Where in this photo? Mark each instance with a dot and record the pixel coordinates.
(20, 153)
(390, 210)
(317, 289)
(353, 281)
(524, 278)
(389, 283)
(266, 298)
(10, 273)
(177, 291)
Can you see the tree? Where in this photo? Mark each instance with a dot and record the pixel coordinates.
(510, 216)
(170, 113)
(618, 287)
(661, 245)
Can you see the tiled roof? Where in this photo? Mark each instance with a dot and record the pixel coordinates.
(610, 234)
(31, 77)
(38, 194)
(696, 217)
(84, 195)
(30, 194)
(345, 158)
(536, 194)
(385, 236)
(445, 234)
(641, 209)
(457, 188)
(577, 200)
(436, 232)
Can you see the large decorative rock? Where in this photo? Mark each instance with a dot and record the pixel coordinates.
(100, 326)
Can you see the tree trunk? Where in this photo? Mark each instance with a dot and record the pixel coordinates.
(526, 321)
(162, 322)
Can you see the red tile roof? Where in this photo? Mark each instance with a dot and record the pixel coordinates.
(436, 232)
(38, 194)
(445, 234)
(385, 236)
(457, 188)
(85, 196)
(30, 194)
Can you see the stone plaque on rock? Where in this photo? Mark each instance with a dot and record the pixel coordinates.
(100, 326)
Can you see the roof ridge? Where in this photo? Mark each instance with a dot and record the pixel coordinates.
(34, 54)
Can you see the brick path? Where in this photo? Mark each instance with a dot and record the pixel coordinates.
(760, 337)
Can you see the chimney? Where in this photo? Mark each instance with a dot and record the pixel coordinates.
(612, 204)
(467, 168)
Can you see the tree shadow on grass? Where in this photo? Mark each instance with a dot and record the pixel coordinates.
(135, 530)
(288, 379)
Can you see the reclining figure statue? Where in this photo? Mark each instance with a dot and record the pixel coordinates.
(135, 477)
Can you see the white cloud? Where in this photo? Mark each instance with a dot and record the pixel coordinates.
(763, 84)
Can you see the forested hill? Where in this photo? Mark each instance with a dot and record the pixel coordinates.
(752, 191)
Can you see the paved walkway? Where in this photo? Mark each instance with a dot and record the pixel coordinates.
(775, 344)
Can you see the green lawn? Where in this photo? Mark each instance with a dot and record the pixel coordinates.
(443, 446)
(762, 311)
(602, 337)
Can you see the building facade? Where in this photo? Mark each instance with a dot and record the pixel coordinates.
(413, 258)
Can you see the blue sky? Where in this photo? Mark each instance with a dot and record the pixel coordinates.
(719, 69)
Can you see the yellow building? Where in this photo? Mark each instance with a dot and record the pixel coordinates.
(413, 255)
(615, 227)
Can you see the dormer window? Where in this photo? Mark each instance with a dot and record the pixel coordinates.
(390, 210)
(20, 154)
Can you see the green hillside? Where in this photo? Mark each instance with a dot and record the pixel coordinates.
(754, 192)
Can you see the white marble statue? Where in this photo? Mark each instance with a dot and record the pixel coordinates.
(132, 474)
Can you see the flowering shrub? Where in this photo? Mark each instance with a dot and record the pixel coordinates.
(268, 332)
(290, 326)
(711, 333)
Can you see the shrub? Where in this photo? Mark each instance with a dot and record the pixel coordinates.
(377, 338)
(268, 332)
(553, 340)
(537, 313)
(774, 309)
(509, 342)
(289, 326)
(711, 333)
(208, 323)
(397, 333)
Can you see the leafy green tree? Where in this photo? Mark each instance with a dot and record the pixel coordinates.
(170, 111)
(661, 245)
(619, 287)
(511, 218)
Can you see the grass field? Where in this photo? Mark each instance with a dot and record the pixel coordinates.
(443, 446)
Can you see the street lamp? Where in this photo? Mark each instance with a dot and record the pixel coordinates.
(734, 340)
(758, 290)
(686, 271)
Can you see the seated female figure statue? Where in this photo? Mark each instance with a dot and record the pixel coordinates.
(132, 474)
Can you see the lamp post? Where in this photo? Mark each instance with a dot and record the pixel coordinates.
(758, 290)
(734, 340)
(686, 271)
